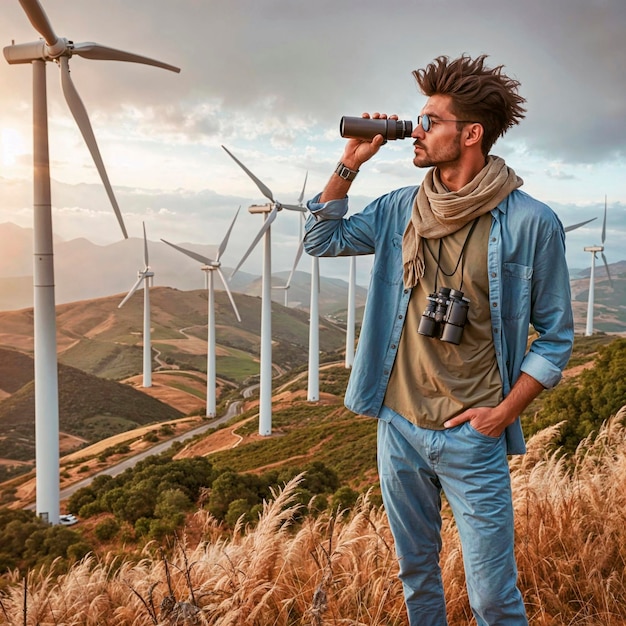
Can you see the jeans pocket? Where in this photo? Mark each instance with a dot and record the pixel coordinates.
(473, 432)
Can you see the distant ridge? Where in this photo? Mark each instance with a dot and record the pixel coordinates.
(90, 408)
(113, 264)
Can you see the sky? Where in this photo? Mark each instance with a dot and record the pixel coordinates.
(270, 80)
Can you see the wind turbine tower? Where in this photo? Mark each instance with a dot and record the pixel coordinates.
(351, 317)
(269, 211)
(592, 279)
(144, 276)
(313, 380)
(210, 266)
(37, 54)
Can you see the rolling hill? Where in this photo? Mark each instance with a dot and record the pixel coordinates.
(90, 408)
(99, 338)
(99, 344)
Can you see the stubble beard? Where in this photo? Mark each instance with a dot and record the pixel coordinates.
(439, 156)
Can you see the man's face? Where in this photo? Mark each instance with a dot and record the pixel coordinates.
(441, 145)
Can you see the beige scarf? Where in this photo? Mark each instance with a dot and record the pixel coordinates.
(438, 212)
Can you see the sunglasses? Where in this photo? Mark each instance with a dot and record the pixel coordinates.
(426, 122)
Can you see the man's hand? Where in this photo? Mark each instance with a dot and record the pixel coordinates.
(357, 151)
(493, 421)
(485, 420)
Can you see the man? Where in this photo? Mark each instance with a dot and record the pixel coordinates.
(448, 396)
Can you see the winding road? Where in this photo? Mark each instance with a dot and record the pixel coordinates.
(114, 470)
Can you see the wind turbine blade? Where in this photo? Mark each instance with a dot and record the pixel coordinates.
(271, 216)
(98, 52)
(575, 226)
(303, 187)
(39, 20)
(82, 119)
(606, 266)
(145, 246)
(263, 189)
(230, 295)
(294, 207)
(132, 291)
(224, 243)
(295, 263)
(604, 223)
(194, 255)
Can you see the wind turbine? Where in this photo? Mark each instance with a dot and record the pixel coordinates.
(38, 53)
(210, 266)
(144, 276)
(351, 316)
(269, 210)
(594, 251)
(313, 385)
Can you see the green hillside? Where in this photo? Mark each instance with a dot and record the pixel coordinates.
(16, 369)
(98, 337)
(89, 407)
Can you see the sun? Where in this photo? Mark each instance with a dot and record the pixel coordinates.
(12, 145)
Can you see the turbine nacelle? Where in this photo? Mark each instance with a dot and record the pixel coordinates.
(34, 51)
(209, 267)
(255, 209)
(594, 249)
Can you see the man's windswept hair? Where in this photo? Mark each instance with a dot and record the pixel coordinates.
(478, 93)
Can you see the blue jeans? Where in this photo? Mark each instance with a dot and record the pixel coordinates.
(415, 465)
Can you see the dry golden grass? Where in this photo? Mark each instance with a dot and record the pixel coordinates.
(341, 570)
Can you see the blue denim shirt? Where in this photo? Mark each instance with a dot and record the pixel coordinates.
(528, 284)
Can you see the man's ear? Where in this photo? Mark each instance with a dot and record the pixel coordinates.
(473, 134)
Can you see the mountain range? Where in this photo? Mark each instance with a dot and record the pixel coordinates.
(84, 270)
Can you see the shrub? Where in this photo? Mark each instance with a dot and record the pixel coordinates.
(343, 499)
(238, 509)
(106, 529)
(90, 509)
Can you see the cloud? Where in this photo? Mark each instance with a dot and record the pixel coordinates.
(247, 66)
(271, 79)
(556, 172)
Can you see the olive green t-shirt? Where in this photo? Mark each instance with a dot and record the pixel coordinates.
(433, 380)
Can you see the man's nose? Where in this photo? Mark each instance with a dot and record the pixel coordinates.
(418, 132)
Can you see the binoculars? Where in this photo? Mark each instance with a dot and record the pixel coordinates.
(366, 128)
(445, 315)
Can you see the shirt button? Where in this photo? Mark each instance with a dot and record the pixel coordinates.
(385, 372)
(393, 346)
(493, 239)
(494, 304)
(493, 274)
(399, 317)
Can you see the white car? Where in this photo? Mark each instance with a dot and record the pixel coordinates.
(68, 520)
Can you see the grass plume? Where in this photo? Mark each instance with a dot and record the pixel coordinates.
(339, 569)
